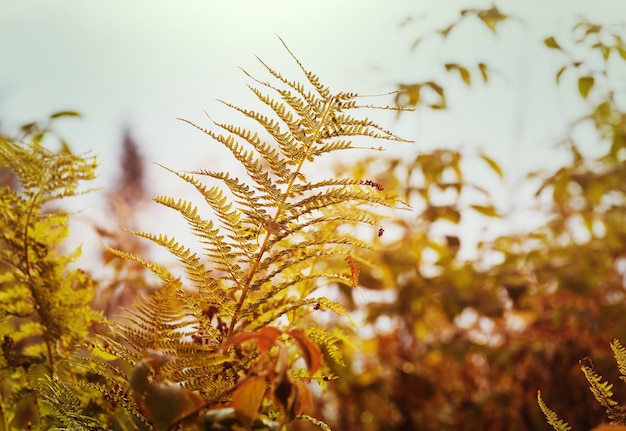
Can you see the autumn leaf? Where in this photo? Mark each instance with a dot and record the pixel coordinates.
(585, 84)
(465, 74)
(166, 403)
(483, 71)
(310, 351)
(247, 400)
(551, 42)
(488, 211)
(493, 165)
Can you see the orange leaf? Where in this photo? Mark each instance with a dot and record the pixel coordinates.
(310, 351)
(247, 400)
(267, 337)
(354, 270)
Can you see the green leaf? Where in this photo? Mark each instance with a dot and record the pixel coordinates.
(551, 42)
(585, 84)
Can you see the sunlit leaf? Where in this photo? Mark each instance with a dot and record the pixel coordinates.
(64, 114)
(446, 31)
(409, 95)
(551, 42)
(310, 351)
(493, 165)
(585, 84)
(465, 74)
(559, 73)
(488, 211)
(492, 17)
(483, 71)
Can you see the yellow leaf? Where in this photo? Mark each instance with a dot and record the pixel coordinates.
(483, 71)
(585, 84)
(488, 211)
(493, 165)
(551, 42)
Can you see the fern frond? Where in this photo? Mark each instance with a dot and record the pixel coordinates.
(217, 250)
(322, 90)
(277, 164)
(620, 357)
(276, 288)
(551, 416)
(328, 340)
(66, 405)
(157, 269)
(603, 394)
(247, 158)
(197, 273)
(323, 425)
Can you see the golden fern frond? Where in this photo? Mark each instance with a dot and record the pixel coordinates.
(280, 309)
(217, 250)
(276, 288)
(603, 394)
(197, 273)
(247, 158)
(157, 269)
(620, 357)
(153, 321)
(551, 416)
(277, 164)
(272, 239)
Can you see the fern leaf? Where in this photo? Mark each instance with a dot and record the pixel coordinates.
(67, 406)
(620, 357)
(603, 394)
(551, 416)
(216, 248)
(197, 273)
(158, 270)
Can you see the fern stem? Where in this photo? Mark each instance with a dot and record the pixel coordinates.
(34, 203)
(279, 209)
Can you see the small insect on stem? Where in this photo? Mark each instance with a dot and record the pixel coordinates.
(371, 183)
(381, 231)
(271, 226)
(586, 363)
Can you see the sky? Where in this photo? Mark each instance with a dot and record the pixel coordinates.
(141, 64)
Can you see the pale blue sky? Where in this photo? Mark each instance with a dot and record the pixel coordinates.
(142, 63)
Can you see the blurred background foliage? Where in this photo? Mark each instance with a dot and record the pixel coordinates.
(464, 343)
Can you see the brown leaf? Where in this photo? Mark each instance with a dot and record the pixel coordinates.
(166, 403)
